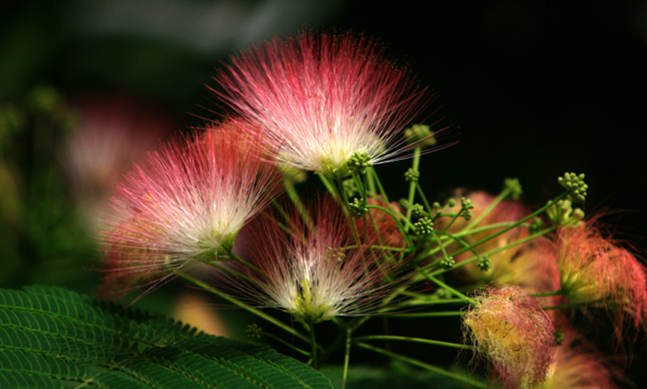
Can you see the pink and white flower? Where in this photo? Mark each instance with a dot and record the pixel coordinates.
(315, 270)
(324, 98)
(185, 205)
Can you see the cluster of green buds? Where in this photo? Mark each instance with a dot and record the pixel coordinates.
(575, 186)
(564, 215)
(423, 227)
(466, 208)
(359, 162)
(357, 208)
(420, 135)
(514, 187)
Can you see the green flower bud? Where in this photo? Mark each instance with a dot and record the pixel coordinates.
(423, 227)
(575, 186)
(411, 175)
(420, 135)
(513, 185)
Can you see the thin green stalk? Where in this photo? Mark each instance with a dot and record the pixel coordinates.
(314, 362)
(412, 185)
(525, 219)
(573, 305)
(494, 251)
(296, 200)
(505, 193)
(287, 344)
(421, 193)
(427, 314)
(346, 358)
(547, 294)
(329, 186)
(449, 288)
(416, 340)
(518, 223)
(372, 171)
(241, 304)
(397, 223)
(423, 365)
(488, 227)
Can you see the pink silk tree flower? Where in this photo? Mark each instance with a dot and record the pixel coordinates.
(514, 334)
(185, 205)
(594, 269)
(315, 269)
(324, 98)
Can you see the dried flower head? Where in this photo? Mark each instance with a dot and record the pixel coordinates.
(593, 269)
(316, 269)
(324, 99)
(186, 204)
(514, 334)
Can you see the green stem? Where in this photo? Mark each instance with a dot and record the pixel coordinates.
(494, 251)
(424, 199)
(241, 304)
(505, 193)
(416, 340)
(572, 305)
(525, 219)
(313, 344)
(329, 186)
(397, 223)
(423, 365)
(296, 200)
(449, 288)
(412, 185)
(428, 314)
(346, 357)
(287, 344)
(547, 294)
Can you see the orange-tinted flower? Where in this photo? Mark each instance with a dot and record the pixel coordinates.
(514, 334)
(593, 269)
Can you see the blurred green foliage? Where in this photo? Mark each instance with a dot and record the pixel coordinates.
(41, 238)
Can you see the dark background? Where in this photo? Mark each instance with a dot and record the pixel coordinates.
(535, 88)
(532, 89)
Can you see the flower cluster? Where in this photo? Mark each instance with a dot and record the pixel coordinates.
(223, 209)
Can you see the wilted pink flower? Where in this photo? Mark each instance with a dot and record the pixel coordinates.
(316, 270)
(323, 98)
(186, 204)
(514, 334)
(593, 269)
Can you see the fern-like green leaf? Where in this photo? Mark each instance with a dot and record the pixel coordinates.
(56, 338)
